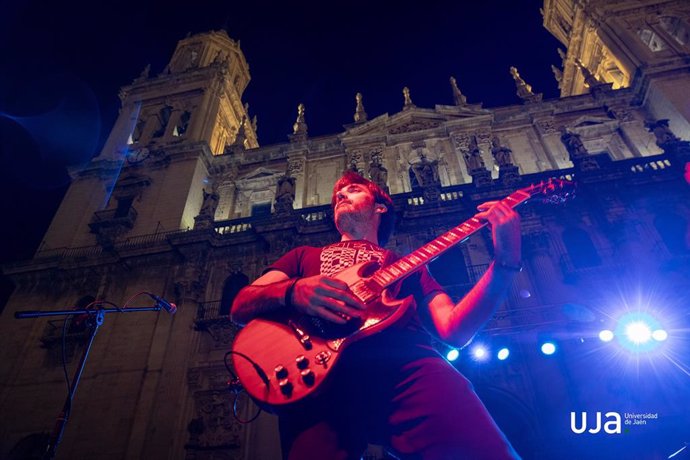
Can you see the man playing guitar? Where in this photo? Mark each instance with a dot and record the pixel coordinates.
(391, 388)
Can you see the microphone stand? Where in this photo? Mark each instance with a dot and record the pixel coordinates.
(97, 318)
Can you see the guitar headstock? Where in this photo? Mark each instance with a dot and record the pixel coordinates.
(552, 191)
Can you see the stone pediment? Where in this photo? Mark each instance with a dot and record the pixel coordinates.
(259, 173)
(589, 126)
(586, 121)
(412, 120)
(260, 178)
(374, 126)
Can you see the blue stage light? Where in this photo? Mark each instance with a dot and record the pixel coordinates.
(548, 348)
(639, 332)
(606, 335)
(479, 352)
(660, 335)
(453, 354)
(503, 354)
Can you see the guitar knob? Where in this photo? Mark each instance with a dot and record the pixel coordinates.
(285, 387)
(308, 377)
(302, 362)
(281, 372)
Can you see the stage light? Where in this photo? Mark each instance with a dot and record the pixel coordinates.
(548, 348)
(503, 353)
(606, 335)
(479, 352)
(660, 335)
(453, 354)
(639, 332)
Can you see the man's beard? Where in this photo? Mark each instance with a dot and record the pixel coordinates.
(351, 220)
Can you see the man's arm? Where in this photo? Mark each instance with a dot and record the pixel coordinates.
(321, 296)
(458, 323)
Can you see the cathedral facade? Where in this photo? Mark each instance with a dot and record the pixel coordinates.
(183, 202)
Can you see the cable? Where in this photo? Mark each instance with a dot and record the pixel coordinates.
(235, 386)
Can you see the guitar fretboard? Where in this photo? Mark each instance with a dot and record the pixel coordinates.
(412, 262)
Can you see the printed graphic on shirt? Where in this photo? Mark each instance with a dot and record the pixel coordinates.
(339, 256)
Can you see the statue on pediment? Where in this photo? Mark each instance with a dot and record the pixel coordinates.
(426, 171)
(285, 194)
(501, 153)
(378, 173)
(573, 143)
(473, 157)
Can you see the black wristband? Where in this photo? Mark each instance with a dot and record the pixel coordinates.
(288, 293)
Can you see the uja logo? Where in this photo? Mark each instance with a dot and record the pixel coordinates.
(612, 423)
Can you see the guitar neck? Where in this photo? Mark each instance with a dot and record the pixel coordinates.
(412, 262)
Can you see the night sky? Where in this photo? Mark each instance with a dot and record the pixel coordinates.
(64, 62)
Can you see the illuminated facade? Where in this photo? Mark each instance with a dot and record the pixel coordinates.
(182, 201)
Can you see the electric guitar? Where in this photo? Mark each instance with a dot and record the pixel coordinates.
(286, 357)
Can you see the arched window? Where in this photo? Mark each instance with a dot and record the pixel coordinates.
(580, 248)
(652, 40)
(163, 119)
(182, 124)
(673, 230)
(676, 28)
(232, 286)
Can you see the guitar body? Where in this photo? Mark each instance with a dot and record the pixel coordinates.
(296, 353)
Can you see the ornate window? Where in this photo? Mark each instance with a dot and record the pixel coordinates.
(261, 209)
(652, 40)
(676, 28)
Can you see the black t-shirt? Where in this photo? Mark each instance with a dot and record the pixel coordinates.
(410, 338)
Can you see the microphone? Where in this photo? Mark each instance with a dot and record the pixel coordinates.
(161, 302)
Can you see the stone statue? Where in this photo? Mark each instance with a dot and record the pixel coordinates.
(524, 91)
(360, 114)
(407, 98)
(590, 80)
(473, 157)
(285, 189)
(500, 152)
(557, 73)
(378, 173)
(300, 126)
(458, 97)
(574, 145)
(661, 131)
(425, 171)
(285, 194)
(255, 124)
(209, 203)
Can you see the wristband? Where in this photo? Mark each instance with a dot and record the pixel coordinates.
(288, 293)
(511, 267)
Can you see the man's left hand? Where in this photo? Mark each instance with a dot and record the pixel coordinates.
(505, 231)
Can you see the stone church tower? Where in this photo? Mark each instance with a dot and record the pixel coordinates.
(182, 202)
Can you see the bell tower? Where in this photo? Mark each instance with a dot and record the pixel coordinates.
(639, 44)
(153, 173)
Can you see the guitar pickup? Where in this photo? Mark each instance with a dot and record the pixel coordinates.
(303, 337)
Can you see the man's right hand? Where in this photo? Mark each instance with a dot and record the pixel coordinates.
(326, 298)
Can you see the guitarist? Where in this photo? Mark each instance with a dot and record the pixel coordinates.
(391, 388)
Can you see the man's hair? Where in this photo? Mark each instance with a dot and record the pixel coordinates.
(387, 218)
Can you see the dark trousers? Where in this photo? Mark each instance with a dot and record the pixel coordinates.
(419, 409)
